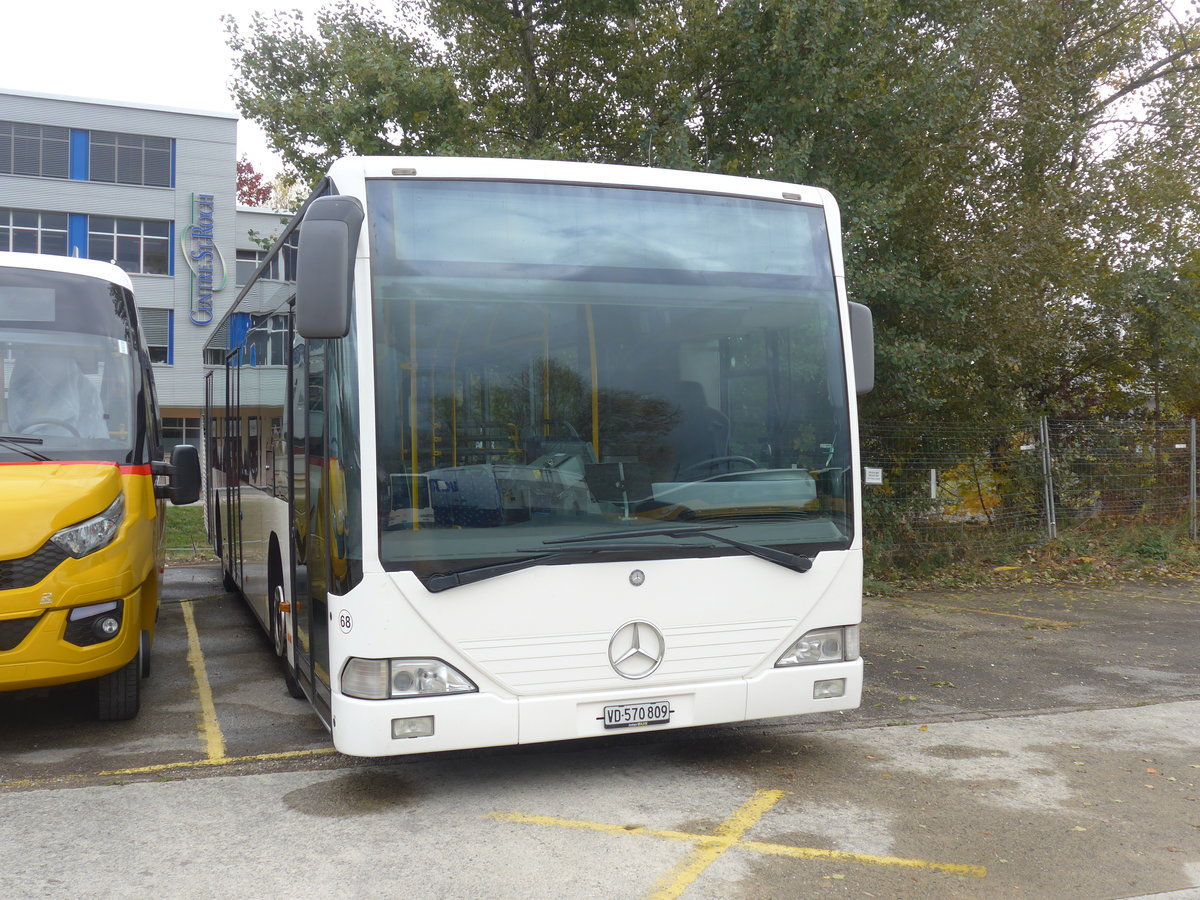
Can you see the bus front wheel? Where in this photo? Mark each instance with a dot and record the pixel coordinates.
(279, 635)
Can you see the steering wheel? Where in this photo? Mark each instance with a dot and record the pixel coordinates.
(708, 466)
(66, 426)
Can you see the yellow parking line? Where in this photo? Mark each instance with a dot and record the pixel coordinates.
(167, 767)
(987, 612)
(814, 853)
(705, 853)
(727, 835)
(210, 729)
(222, 761)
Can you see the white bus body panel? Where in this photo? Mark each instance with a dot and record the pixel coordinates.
(536, 643)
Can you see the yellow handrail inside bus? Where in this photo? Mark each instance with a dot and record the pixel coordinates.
(412, 412)
(591, 330)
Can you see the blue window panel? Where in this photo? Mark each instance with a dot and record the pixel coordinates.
(80, 148)
(77, 235)
(239, 325)
(172, 181)
(171, 337)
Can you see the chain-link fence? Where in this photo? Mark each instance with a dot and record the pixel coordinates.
(938, 492)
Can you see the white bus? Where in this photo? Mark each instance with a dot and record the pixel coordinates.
(507, 451)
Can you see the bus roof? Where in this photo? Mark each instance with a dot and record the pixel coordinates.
(69, 264)
(369, 167)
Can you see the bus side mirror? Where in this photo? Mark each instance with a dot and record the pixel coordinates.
(862, 343)
(325, 266)
(184, 472)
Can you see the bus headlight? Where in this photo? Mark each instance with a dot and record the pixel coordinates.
(821, 646)
(390, 679)
(90, 535)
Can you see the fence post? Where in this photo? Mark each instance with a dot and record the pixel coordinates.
(1192, 480)
(1048, 480)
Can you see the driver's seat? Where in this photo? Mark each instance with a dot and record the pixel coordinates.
(47, 388)
(701, 432)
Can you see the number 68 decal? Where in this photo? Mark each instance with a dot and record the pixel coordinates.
(345, 622)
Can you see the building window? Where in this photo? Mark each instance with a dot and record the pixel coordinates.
(41, 150)
(282, 266)
(247, 263)
(176, 431)
(265, 340)
(28, 231)
(217, 348)
(156, 326)
(140, 246)
(129, 159)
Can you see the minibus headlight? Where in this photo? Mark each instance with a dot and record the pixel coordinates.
(92, 534)
(822, 646)
(384, 679)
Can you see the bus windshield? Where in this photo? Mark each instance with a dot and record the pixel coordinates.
(67, 385)
(554, 361)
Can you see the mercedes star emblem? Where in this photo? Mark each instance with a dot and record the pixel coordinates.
(636, 650)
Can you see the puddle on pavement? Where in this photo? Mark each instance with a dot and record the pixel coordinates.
(353, 794)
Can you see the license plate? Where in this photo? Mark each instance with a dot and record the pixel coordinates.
(635, 715)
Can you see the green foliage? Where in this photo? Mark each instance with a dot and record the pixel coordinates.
(186, 536)
(1152, 545)
(1019, 179)
(358, 85)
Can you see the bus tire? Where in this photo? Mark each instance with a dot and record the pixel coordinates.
(145, 654)
(280, 640)
(279, 633)
(295, 691)
(218, 543)
(227, 581)
(118, 694)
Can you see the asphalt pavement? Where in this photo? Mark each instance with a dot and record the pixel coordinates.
(1025, 741)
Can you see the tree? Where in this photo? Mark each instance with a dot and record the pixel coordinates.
(969, 142)
(252, 188)
(359, 84)
(1016, 177)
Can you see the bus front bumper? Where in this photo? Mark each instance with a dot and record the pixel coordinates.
(45, 657)
(466, 721)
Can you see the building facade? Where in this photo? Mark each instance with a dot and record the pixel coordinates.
(152, 189)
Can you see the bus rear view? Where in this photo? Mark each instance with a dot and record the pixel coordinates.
(80, 523)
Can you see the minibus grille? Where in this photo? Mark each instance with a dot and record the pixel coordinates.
(26, 572)
(13, 631)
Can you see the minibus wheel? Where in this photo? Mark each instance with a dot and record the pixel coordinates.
(118, 694)
(145, 654)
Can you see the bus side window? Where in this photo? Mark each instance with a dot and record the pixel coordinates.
(114, 395)
(153, 425)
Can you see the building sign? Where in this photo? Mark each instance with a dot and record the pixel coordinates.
(199, 246)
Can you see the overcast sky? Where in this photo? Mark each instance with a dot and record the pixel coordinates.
(153, 52)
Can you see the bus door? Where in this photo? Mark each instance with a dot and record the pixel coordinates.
(234, 464)
(309, 517)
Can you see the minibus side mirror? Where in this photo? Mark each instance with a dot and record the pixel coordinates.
(862, 343)
(184, 472)
(325, 266)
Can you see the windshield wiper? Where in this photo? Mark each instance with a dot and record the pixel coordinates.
(15, 442)
(792, 561)
(443, 580)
